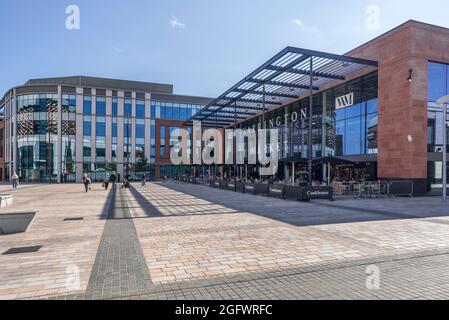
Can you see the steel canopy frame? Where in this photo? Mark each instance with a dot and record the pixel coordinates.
(292, 73)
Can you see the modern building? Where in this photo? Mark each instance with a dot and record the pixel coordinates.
(369, 114)
(57, 129)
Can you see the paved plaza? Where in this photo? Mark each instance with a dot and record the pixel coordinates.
(178, 241)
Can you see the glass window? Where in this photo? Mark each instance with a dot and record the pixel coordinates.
(340, 138)
(100, 106)
(87, 105)
(87, 128)
(127, 130)
(140, 131)
(114, 130)
(114, 106)
(128, 108)
(371, 135)
(437, 81)
(140, 110)
(353, 111)
(101, 129)
(153, 111)
(371, 106)
(340, 114)
(353, 136)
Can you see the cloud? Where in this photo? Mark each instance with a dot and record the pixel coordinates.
(175, 23)
(298, 22)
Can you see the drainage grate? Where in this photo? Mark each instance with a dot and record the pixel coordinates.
(22, 250)
(74, 219)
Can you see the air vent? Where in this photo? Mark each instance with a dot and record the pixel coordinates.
(22, 250)
(74, 219)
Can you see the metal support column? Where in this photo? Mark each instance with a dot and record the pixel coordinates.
(235, 146)
(310, 140)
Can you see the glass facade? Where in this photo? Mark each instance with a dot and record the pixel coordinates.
(344, 132)
(438, 87)
(52, 128)
(168, 111)
(37, 129)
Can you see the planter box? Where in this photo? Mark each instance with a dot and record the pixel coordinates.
(6, 200)
(292, 193)
(15, 222)
(316, 193)
(260, 188)
(224, 184)
(232, 185)
(240, 187)
(277, 191)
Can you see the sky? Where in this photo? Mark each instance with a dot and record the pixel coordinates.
(202, 47)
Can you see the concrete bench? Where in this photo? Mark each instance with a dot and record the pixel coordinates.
(6, 200)
(15, 222)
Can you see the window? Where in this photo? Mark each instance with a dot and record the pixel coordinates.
(101, 148)
(101, 106)
(114, 130)
(101, 129)
(87, 105)
(353, 136)
(87, 148)
(87, 128)
(140, 109)
(140, 131)
(114, 107)
(437, 81)
(127, 130)
(128, 108)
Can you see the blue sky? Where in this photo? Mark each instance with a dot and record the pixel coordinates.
(201, 46)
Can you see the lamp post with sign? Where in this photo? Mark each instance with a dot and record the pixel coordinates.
(442, 102)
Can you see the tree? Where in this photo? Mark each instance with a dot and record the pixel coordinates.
(141, 165)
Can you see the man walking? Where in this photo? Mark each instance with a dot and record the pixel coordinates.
(15, 181)
(86, 182)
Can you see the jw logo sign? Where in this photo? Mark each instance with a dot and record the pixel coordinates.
(344, 101)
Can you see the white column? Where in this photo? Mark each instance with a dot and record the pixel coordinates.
(79, 135)
(120, 136)
(14, 132)
(93, 118)
(148, 126)
(109, 126)
(133, 129)
(59, 139)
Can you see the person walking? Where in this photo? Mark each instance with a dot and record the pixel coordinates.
(15, 181)
(86, 182)
(106, 182)
(144, 180)
(113, 179)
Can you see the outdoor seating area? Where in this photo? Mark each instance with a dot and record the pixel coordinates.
(303, 192)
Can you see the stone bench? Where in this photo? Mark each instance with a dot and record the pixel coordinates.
(15, 222)
(6, 200)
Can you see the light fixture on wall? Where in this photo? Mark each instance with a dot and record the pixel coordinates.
(410, 75)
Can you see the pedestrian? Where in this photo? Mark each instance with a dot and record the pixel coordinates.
(86, 182)
(113, 179)
(106, 182)
(144, 180)
(15, 181)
